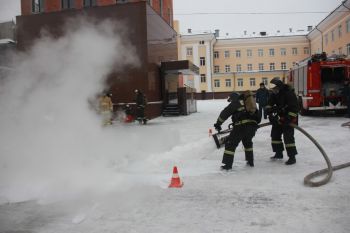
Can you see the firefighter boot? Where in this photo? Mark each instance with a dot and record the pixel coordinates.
(291, 160)
(226, 167)
(278, 155)
(249, 159)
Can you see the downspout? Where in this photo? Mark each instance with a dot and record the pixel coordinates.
(212, 65)
(321, 37)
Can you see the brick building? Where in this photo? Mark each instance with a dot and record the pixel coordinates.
(153, 37)
(28, 7)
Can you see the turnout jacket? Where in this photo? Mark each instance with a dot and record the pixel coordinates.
(238, 114)
(285, 102)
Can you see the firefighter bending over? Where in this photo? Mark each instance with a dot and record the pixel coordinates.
(283, 110)
(141, 103)
(106, 108)
(245, 124)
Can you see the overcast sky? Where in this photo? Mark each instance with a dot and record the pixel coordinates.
(234, 24)
(208, 15)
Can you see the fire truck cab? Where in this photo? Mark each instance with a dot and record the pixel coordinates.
(318, 83)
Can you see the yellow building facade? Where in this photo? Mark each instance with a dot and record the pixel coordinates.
(237, 64)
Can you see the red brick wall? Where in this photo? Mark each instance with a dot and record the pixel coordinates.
(105, 2)
(55, 5)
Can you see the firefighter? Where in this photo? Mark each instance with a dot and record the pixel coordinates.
(283, 110)
(140, 105)
(346, 95)
(244, 128)
(262, 96)
(106, 108)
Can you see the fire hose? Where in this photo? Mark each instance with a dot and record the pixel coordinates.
(308, 179)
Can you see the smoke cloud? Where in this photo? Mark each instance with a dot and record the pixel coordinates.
(52, 144)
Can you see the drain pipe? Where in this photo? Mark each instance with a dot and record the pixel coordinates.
(321, 37)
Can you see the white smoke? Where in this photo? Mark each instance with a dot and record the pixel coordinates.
(51, 142)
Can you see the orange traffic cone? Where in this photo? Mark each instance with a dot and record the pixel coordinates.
(210, 132)
(175, 180)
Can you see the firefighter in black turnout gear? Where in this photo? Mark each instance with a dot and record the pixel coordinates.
(140, 105)
(283, 110)
(245, 125)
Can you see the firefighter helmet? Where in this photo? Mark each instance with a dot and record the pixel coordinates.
(277, 82)
(234, 96)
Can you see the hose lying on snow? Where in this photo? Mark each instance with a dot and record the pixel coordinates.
(329, 170)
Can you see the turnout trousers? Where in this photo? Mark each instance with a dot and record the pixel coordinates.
(288, 138)
(244, 133)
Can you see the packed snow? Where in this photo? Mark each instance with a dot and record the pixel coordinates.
(61, 171)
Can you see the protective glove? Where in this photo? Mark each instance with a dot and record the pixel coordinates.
(217, 126)
(290, 119)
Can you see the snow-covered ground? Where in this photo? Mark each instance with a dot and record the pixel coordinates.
(127, 192)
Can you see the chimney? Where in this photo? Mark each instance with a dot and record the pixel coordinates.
(262, 33)
(290, 29)
(189, 30)
(278, 31)
(245, 33)
(309, 28)
(217, 32)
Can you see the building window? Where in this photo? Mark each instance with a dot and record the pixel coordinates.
(240, 82)
(348, 25)
(216, 83)
(283, 66)
(228, 82)
(37, 6)
(202, 61)
(340, 51)
(261, 66)
(216, 69)
(203, 78)
(326, 38)
(294, 51)
(250, 67)
(216, 54)
(67, 4)
(265, 81)
(249, 53)
(306, 50)
(201, 42)
(332, 35)
(252, 82)
(227, 54)
(348, 49)
(189, 51)
(239, 67)
(339, 31)
(283, 51)
(88, 3)
(272, 66)
(260, 52)
(272, 52)
(227, 68)
(238, 53)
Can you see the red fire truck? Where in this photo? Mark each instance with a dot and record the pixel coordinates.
(318, 82)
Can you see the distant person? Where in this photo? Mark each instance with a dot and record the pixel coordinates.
(245, 124)
(262, 97)
(106, 108)
(129, 116)
(141, 103)
(283, 109)
(346, 95)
